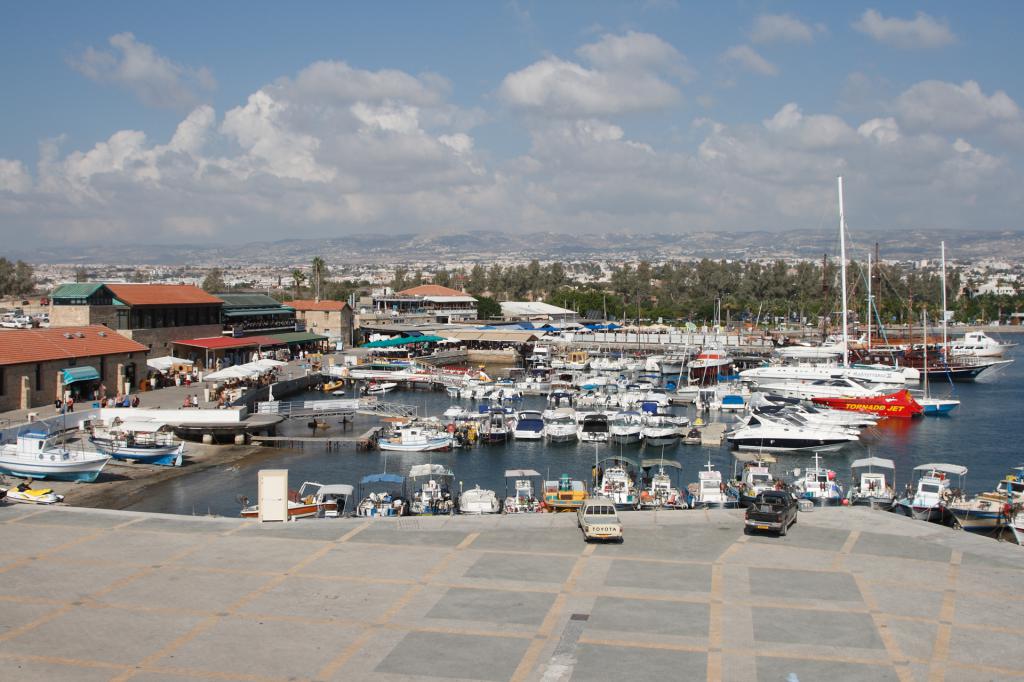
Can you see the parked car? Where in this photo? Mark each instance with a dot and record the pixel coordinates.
(598, 520)
(772, 510)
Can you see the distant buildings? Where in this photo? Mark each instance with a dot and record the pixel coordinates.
(425, 303)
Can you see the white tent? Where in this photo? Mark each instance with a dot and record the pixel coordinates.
(266, 364)
(166, 362)
(236, 372)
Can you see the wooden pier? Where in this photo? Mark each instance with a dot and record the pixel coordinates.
(363, 441)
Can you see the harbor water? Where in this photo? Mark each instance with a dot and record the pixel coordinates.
(984, 434)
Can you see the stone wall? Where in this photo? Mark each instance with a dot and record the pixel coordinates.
(21, 394)
(159, 340)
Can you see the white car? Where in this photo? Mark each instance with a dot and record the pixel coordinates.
(598, 520)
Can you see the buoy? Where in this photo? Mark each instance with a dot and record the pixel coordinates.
(845, 502)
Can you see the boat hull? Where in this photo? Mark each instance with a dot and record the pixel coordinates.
(791, 445)
(430, 446)
(86, 472)
(170, 455)
(937, 514)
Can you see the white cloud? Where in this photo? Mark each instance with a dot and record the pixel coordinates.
(136, 66)
(923, 31)
(948, 107)
(781, 28)
(881, 130)
(748, 58)
(14, 177)
(631, 72)
(816, 131)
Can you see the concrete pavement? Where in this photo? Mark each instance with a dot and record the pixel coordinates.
(850, 594)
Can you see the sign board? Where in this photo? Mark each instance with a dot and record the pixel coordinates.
(273, 495)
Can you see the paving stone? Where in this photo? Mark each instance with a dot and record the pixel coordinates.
(899, 546)
(802, 585)
(555, 540)
(189, 589)
(319, 598)
(370, 561)
(84, 519)
(65, 581)
(800, 626)
(441, 655)
(388, 535)
(680, 619)
(771, 669)
(522, 567)
(616, 663)
(659, 576)
(493, 606)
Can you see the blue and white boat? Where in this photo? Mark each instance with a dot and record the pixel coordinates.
(992, 510)
(529, 426)
(36, 454)
(147, 442)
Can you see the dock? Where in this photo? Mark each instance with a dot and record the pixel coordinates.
(712, 434)
(360, 442)
(848, 594)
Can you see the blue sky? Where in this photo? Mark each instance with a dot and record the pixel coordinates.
(231, 120)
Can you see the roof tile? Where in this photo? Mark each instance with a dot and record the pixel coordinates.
(161, 294)
(19, 346)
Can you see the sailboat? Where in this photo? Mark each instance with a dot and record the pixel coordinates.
(934, 406)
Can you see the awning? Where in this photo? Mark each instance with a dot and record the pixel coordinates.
(166, 362)
(404, 341)
(84, 373)
(292, 338)
(245, 312)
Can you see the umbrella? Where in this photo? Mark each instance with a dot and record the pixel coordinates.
(166, 362)
(236, 372)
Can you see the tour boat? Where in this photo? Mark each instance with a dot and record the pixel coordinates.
(933, 493)
(36, 454)
(148, 442)
(311, 499)
(899, 405)
(872, 488)
(978, 344)
(478, 501)
(415, 438)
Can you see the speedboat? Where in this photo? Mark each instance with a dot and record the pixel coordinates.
(991, 511)
(529, 426)
(625, 428)
(141, 441)
(767, 403)
(838, 387)
(659, 431)
(523, 499)
(26, 494)
(478, 501)
(818, 484)
(710, 491)
(772, 434)
(560, 425)
(933, 494)
(594, 428)
(36, 454)
(381, 388)
(311, 499)
(415, 438)
(872, 488)
(497, 428)
(773, 374)
(432, 496)
(900, 405)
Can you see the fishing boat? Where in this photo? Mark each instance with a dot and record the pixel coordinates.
(529, 426)
(660, 493)
(415, 438)
(37, 454)
(432, 492)
(990, 511)
(565, 494)
(476, 500)
(929, 500)
(818, 484)
(311, 499)
(382, 495)
(755, 478)
(24, 493)
(898, 405)
(141, 441)
(616, 482)
(873, 488)
(523, 499)
(710, 491)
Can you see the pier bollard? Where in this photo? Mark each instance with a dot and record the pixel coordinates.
(207, 439)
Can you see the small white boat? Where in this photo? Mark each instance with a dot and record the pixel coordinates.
(933, 493)
(36, 454)
(141, 441)
(380, 388)
(560, 425)
(710, 491)
(625, 428)
(872, 488)
(593, 428)
(529, 426)
(478, 501)
(311, 499)
(24, 493)
(524, 498)
(415, 438)
(818, 484)
(659, 431)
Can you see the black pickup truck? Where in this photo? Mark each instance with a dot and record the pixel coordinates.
(771, 510)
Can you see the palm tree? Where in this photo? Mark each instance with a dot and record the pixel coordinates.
(319, 270)
(298, 277)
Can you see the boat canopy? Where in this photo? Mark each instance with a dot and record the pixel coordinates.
(520, 473)
(619, 458)
(337, 489)
(876, 462)
(648, 463)
(417, 470)
(953, 469)
(139, 425)
(382, 478)
(746, 457)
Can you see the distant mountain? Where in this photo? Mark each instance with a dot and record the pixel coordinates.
(483, 245)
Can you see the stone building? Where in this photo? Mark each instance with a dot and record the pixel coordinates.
(39, 365)
(333, 319)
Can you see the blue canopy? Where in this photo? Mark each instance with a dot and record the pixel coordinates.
(84, 373)
(382, 478)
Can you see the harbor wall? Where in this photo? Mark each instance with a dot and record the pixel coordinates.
(282, 389)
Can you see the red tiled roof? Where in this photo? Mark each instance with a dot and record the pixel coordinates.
(432, 290)
(218, 342)
(18, 346)
(161, 294)
(326, 306)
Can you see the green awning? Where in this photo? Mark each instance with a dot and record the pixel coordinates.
(243, 312)
(403, 341)
(292, 338)
(84, 373)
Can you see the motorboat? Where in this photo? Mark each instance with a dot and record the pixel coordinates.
(991, 511)
(380, 388)
(141, 441)
(523, 499)
(432, 492)
(415, 437)
(593, 428)
(692, 436)
(979, 345)
(710, 365)
(565, 494)
(478, 501)
(873, 488)
(930, 498)
(625, 428)
(660, 493)
(37, 454)
(529, 426)
(837, 387)
(755, 478)
(660, 431)
(382, 495)
(817, 484)
(497, 427)
(898, 405)
(560, 425)
(311, 499)
(24, 493)
(710, 491)
(807, 373)
(766, 403)
(617, 484)
(772, 434)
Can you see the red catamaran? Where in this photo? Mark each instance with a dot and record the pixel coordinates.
(899, 404)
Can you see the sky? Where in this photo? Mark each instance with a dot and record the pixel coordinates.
(238, 121)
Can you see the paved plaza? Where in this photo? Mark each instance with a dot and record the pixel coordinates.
(850, 594)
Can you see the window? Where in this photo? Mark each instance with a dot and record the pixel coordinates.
(39, 376)
(3, 378)
(103, 366)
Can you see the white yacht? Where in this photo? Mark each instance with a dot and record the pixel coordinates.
(625, 428)
(979, 345)
(761, 432)
(773, 374)
(560, 425)
(659, 431)
(837, 387)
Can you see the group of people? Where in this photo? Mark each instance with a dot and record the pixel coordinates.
(191, 400)
(127, 400)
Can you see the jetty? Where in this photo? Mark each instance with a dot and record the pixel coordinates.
(848, 594)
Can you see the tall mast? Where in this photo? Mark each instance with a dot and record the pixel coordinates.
(870, 308)
(842, 256)
(943, 300)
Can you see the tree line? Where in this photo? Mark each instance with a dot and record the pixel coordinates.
(16, 279)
